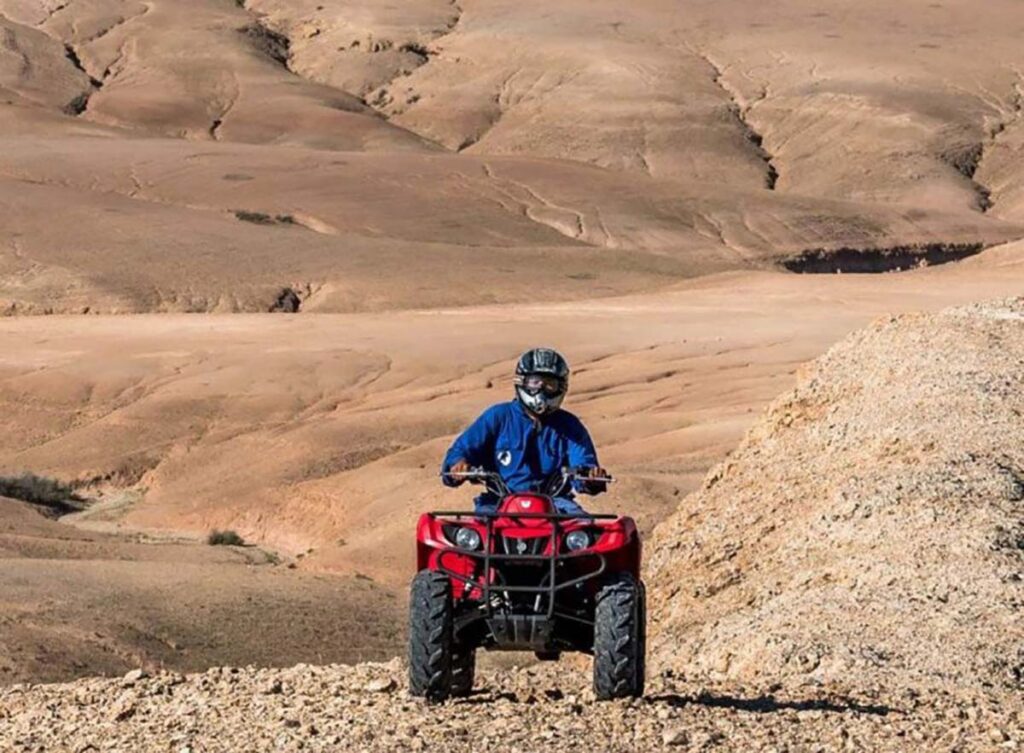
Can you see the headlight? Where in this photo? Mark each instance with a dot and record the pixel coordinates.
(576, 540)
(467, 538)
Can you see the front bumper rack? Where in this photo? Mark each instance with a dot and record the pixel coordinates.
(508, 627)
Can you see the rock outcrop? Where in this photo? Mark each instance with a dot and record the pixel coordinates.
(869, 531)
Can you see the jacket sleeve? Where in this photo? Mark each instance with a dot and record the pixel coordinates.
(583, 455)
(473, 444)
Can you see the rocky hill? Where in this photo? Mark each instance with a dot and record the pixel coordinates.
(869, 532)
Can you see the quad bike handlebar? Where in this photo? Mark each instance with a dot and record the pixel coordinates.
(552, 487)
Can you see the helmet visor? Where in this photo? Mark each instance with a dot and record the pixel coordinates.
(534, 384)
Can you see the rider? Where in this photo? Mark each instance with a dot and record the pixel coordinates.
(528, 439)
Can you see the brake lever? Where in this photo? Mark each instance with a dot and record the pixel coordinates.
(473, 477)
(576, 474)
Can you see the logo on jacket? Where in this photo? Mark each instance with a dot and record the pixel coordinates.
(505, 457)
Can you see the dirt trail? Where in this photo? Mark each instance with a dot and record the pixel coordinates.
(365, 708)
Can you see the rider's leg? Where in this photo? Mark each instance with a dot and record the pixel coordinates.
(566, 506)
(484, 505)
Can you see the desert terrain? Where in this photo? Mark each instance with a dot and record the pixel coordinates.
(260, 260)
(849, 579)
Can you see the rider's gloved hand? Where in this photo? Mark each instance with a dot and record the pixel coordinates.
(459, 466)
(594, 487)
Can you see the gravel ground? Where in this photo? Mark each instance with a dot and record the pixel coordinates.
(366, 708)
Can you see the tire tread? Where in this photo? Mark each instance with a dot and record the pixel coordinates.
(430, 636)
(619, 639)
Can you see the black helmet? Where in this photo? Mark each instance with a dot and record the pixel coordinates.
(542, 379)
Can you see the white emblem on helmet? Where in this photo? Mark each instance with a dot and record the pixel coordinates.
(526, 503)
(505, 457)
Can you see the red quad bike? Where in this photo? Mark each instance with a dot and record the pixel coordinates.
(526, 578)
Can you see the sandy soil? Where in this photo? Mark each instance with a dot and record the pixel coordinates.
(85, 602)
(867, 531)
(324, 432)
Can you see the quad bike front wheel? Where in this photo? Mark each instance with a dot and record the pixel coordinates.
(431, 655)
(620, 638)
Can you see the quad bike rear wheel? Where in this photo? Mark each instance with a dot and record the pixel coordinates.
(430, 636)
(620, 637)
(463, 671)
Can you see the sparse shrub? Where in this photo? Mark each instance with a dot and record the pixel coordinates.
(40, 490)
(286, 302)
(224, 538)
(262, 218)
(273, 44)
(257, 218)
(415, 48)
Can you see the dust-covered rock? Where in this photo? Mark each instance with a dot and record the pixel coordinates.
(533, 709)
(867, 533)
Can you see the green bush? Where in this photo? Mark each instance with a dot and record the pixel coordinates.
(224, 538)
(40, 490)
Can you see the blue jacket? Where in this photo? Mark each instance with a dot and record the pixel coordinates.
(505, 439)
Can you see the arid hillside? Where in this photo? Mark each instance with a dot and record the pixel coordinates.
(205, 155)
(324, 433)
(868, 531)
